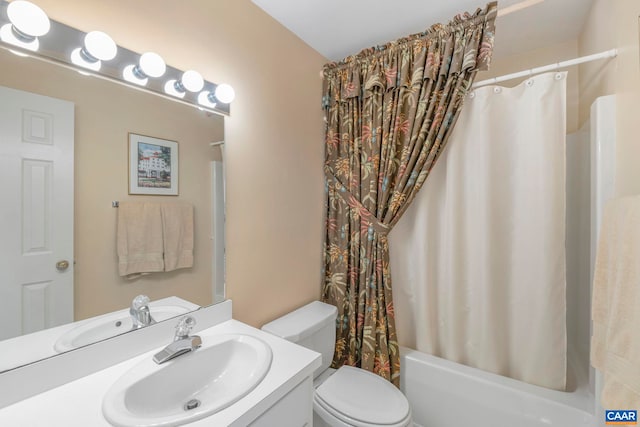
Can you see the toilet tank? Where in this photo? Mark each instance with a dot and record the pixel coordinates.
(312, 326)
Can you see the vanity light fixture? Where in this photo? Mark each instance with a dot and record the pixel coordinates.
(207, 99)
(191, 81)
(170, 89)
(150, 65)
(98, 47)
(27, 23)
(23, 25)
(225, 93)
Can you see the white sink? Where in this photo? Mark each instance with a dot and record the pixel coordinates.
(110, 325)
(226, 368)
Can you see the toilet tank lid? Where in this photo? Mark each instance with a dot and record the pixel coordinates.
(302, 322)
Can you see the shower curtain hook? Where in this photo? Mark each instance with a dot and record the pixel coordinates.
(558, 73)
(529, 81)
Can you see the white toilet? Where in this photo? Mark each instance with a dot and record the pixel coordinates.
(348, 396)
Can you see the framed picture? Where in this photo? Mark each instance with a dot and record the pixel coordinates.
(153, 166)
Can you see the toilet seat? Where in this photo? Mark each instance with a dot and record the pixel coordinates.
(360, 398)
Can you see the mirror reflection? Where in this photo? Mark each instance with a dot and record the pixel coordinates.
(79, 260)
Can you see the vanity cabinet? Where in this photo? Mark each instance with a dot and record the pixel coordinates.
(295, 409)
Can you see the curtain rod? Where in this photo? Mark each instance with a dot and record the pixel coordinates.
(551, 67)
(517, 7)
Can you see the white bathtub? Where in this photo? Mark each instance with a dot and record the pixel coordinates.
(446, 394)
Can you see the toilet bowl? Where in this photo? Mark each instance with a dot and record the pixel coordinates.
(348, 396)
(355, 397)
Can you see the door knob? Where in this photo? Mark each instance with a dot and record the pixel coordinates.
(62, 265)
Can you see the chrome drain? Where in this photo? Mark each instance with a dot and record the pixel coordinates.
(192, 404)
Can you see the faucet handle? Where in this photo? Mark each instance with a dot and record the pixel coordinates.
(140, 312)
(139, 302)
(184, 326)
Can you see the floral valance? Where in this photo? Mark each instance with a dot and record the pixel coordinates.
(465, 43)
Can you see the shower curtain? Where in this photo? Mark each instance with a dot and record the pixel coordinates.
(479, 258)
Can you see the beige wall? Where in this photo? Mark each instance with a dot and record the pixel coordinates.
(614, 24)
(274, 149)
(537, 58)
(104, 115)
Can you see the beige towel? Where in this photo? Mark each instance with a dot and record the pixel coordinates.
(615, 344)
(139, 239)
(177, 228)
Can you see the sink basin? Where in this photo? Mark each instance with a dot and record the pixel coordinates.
(190, 387)
(110, 325)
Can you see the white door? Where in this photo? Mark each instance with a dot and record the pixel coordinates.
(36, 212)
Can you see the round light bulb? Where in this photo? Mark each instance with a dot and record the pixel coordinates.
(206, 99)
(225, 93)
(28, 18)
(129, 75)
(171, 89)
(192, 81)
(79, 59)
(152, 64)
(100, 45)
(7, 35)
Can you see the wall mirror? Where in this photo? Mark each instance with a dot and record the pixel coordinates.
(104, 113)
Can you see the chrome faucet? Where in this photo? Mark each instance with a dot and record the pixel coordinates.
(182, 341)
(140, 312)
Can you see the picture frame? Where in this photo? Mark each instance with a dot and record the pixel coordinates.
(153, 165)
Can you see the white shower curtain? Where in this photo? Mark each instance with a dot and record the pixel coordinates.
(478, 260)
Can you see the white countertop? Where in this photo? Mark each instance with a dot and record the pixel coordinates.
(79, 403)
(28, 348)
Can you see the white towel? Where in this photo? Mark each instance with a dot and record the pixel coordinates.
(177, 230)
(139, 239)
(615, 344)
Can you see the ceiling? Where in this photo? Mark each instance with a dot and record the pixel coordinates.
(339, 28)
